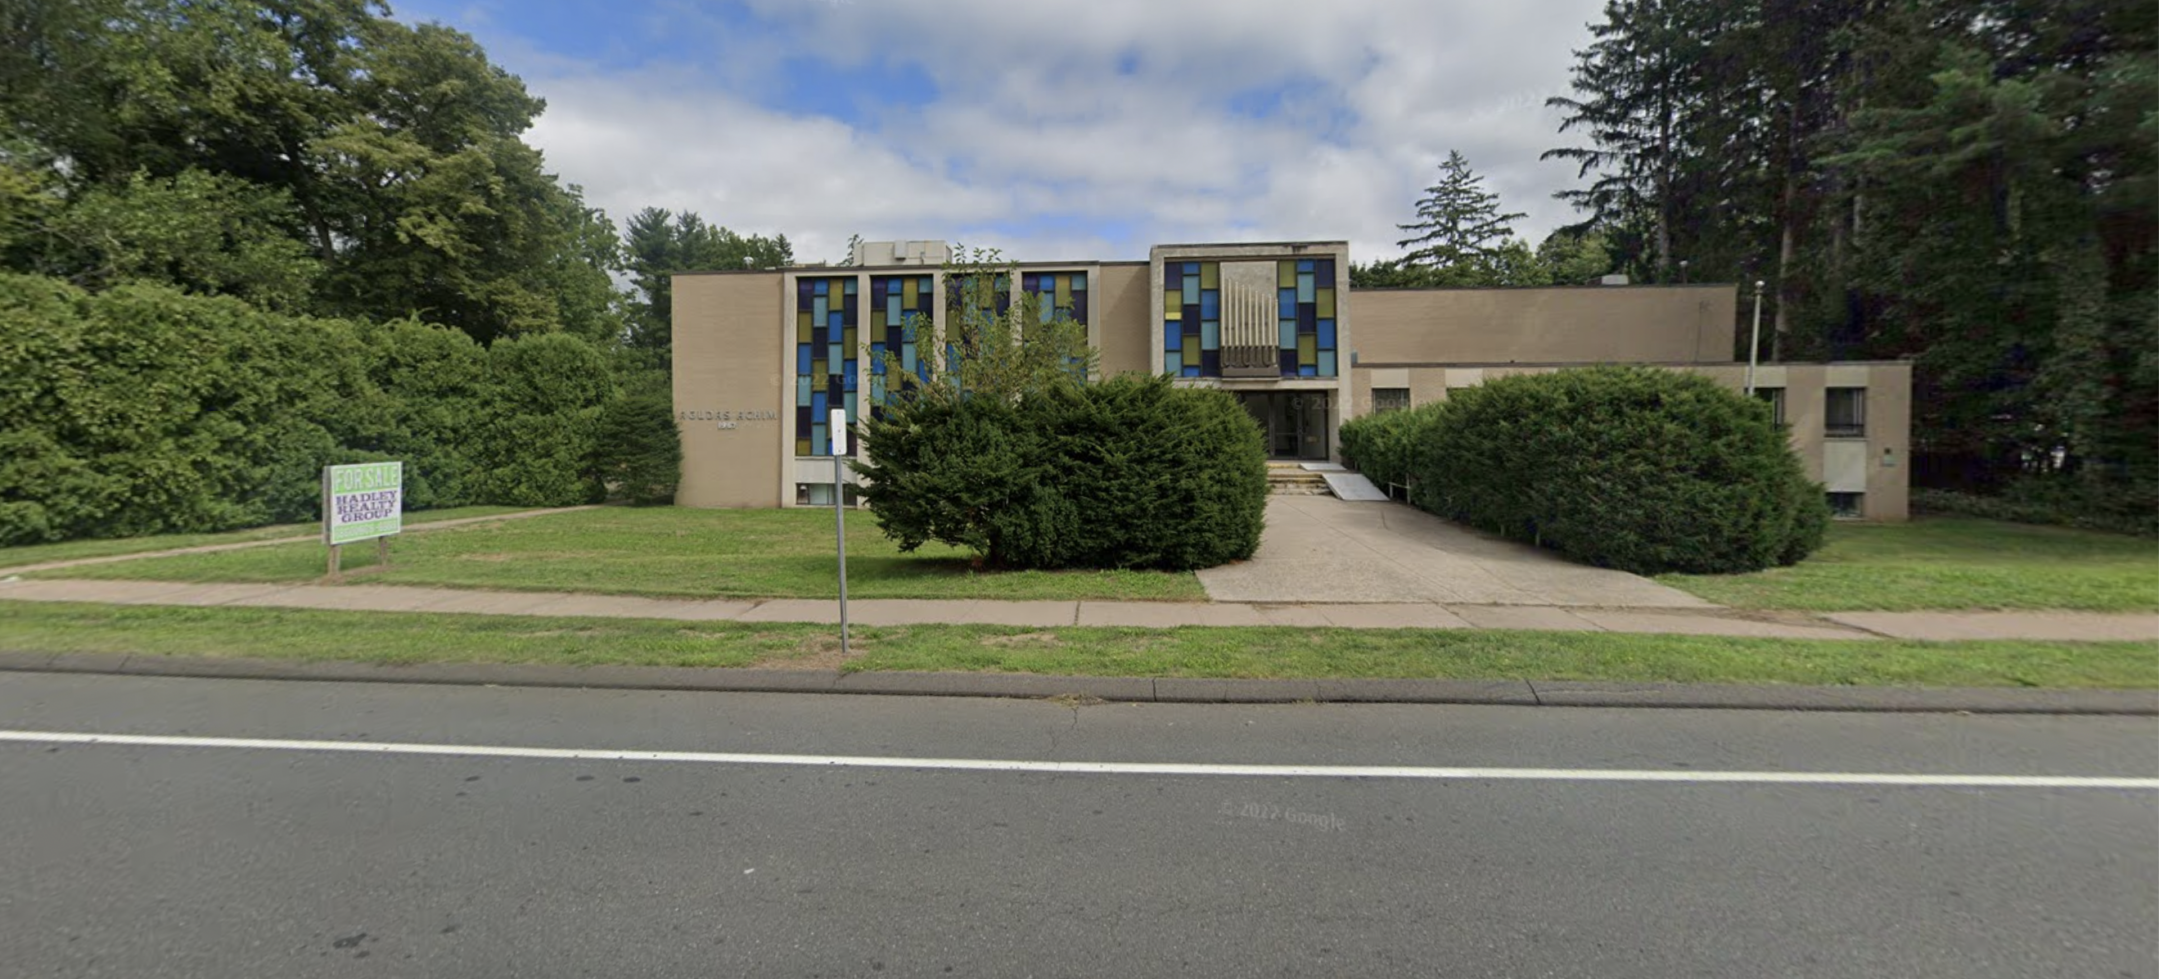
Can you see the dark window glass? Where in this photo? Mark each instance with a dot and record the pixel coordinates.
(1845, 413)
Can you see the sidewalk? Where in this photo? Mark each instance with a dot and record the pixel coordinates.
(1934, 626)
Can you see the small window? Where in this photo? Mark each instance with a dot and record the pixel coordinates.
(1775, 399)
(1389, 399)
(1845, 414)
(1847, 506)
(820, 494)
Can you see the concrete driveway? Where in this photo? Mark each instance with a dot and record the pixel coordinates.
(1321, 549)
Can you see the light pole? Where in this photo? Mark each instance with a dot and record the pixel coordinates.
(1754, 341)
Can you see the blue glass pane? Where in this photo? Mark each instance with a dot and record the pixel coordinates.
(818, 404)
(836, 322)
(834, 357)
(818, 286)
(850, 286)
(1304, 287)
(1288, 304)
(802, 391)
(907, 357)
(1210, 335)
(1191, 290)
(817, 308)
(852, 383)
(1326, 363)
(1192, 371)
(1210, 306)
(1289, 334)
(1173, 362)
(1172, 277)
(817, 440)
(892, 309)
(1079, 282)
(1326, 334)
(1191, 268)
(1304, 265)
(1307, 372)
(802, 358)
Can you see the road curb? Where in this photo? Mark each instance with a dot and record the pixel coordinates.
(1518, 693)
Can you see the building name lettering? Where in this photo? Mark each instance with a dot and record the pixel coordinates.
(725, 420)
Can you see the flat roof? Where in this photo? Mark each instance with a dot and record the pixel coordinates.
(848, 269)
(1625, 363)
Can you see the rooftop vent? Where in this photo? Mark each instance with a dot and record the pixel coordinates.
(901, 253)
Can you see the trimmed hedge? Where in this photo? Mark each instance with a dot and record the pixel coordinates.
(1134, 472)
(1383, 446)
(1639, 469)
(2065, 501)
(142, 409)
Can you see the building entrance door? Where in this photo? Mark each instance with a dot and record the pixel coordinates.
(1295, 422)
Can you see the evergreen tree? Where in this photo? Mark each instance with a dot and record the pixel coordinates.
(1459, 225)
(658, 243)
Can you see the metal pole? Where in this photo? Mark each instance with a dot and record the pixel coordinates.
(1754, 342)
(838, 429)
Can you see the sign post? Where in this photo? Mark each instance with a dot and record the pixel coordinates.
(360, 502)
(838, 428)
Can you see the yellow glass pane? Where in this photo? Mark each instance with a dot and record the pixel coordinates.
(847, 339)
(818, 372)
(1307, 350)
(802, 331)
(802, 447)
(911, 294)
(1064, 291)
(1172, 301)
(1191, 350)
(1285, 275)
(1173, 314)
(1326, 304)
(1210, 275)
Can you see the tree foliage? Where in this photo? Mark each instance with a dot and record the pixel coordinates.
(1968, 183)
(658, 243)
(214, 143)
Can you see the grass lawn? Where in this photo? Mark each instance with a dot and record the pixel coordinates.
(665, 551)
(15, 557)
(305, 634)
(1951, 563)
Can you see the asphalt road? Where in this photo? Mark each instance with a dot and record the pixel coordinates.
(288, 861)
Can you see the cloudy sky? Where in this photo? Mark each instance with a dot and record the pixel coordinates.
(1051, 130)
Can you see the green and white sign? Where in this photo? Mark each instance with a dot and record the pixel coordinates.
(362, 501)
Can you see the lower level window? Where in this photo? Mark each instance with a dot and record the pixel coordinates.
(820, 494)
(1845, 506)
(1389, 399)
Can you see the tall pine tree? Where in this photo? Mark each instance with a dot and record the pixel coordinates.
(1459, 230)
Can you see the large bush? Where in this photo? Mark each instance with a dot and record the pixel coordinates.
(1133, 472)
(142, 409)
(1383, 446)
(1639, 469)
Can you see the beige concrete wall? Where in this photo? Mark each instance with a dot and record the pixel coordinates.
(1120, 323)
(1590, 324)
(730, 389)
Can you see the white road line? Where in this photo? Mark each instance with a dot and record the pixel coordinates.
(1099, 767)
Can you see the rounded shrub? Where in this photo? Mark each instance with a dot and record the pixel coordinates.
(1134, 472)
(1639, 469)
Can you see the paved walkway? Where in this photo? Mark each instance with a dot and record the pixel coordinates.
(243, 545)
(1152, 615)
(1322, 549)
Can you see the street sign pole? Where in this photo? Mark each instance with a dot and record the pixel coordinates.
(838, 428)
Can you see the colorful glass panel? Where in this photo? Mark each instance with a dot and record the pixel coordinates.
(900, 305)
(1306, 295)
(827, 315)
(1192, 319)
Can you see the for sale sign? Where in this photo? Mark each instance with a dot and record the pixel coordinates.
(362, 501)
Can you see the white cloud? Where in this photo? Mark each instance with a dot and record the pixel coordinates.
(1036, 127)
